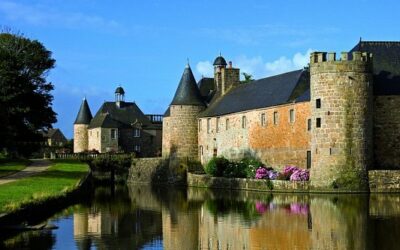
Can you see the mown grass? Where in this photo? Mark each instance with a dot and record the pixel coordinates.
(13, 166)
(60, 178)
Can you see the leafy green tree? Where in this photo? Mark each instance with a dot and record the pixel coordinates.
(25, 98)
(247, 78)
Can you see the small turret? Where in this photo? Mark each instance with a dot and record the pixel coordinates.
(81, 124)
(180, 127)
(119, 96)
(225, 78)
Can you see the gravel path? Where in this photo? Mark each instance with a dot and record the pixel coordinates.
(36, 167)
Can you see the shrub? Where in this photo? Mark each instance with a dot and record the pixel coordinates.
(216, 166)
(235, 170)
(261, 173)
(300, 175)
(251, 165)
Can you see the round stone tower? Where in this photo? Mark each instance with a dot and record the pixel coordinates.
(341, 110)
(81, 124)
(180, 122)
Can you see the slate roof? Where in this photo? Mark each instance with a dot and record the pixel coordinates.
(386, 64)
(51, 132)
(275, 90)
(207, 88)
(219, 61)
(167, 112)
(84, 115)
(112, 116)
(119, 90)
(187, 92)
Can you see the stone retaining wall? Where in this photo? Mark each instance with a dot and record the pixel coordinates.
(195, 180)
(384, 181)
(148, 170)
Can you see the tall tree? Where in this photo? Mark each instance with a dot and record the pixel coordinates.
(25, 98)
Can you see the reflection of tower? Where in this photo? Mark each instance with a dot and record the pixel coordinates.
(180, 229)
(81, 230)
(341, 103)
(339, 222)
(180, 127)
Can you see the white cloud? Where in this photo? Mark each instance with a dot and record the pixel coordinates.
(284, 64)
(205, 68)
(46, 16)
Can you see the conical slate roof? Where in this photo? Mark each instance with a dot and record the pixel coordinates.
(84, 115)
(187, 93)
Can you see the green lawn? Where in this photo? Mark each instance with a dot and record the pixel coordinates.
(56, 181)
(7, 168)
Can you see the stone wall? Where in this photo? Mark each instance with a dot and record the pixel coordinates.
(100, 140)
(342, 145)
(387, 132)
(277, 144)
(180, 131)
(80, 138)
(384, 180)
(148, 170)
(194, 180)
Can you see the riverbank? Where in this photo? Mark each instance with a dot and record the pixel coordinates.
(59, 181)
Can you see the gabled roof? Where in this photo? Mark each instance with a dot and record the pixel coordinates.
(113, 116)
(386, 64)
(275, 90)
(187, 92)
(84, 115)
(51, 132)
(207, 88)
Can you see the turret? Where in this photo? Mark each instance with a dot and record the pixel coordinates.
(81, 125)
(180, 125)
(225, 76)
(119, 96)
(341, 109)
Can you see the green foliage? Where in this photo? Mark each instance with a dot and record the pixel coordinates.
(54, 182)
(216, 166)
(25, 99)
(247, 78)
(235, 170)
(107, 163)
(251, 164)
(221, 167)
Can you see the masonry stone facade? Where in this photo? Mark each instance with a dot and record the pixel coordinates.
(338, 117)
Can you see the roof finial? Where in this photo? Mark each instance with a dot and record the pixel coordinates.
(187, 64)
(220, 54)
(360, 39)
(84, 98)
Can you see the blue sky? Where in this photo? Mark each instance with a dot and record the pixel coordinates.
(143, 45)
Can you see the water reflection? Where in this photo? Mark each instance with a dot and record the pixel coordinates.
(144, 217)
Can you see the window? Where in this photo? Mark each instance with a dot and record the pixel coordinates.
(308, 159)
(263, 120)
(90, 133)
(208, 125)
(308, 124)
(137, 148)
(244, 122)
(275, 118)
(318, 103)
(227, 124)
(136, 132)
(291, 116)
(201, 150)
(113, 134)
(318, 123)
(199, 125)
(97, 134)
(217, 125)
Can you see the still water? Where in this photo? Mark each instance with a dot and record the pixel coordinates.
(143, 217)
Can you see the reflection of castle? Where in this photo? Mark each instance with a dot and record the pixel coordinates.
(332, 117)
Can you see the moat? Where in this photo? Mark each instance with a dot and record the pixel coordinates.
(144, 217)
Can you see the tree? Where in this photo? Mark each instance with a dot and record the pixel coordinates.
(247, 78)
(25, 98)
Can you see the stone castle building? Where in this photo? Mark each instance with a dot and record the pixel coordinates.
(118, 126)
(339, 117)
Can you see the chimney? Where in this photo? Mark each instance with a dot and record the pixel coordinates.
(230, 64)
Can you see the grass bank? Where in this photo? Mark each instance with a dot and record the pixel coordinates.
(57, 181)
(10, 167)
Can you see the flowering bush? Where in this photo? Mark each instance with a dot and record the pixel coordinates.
(300, 175)
(273, 174)
(261, 173)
